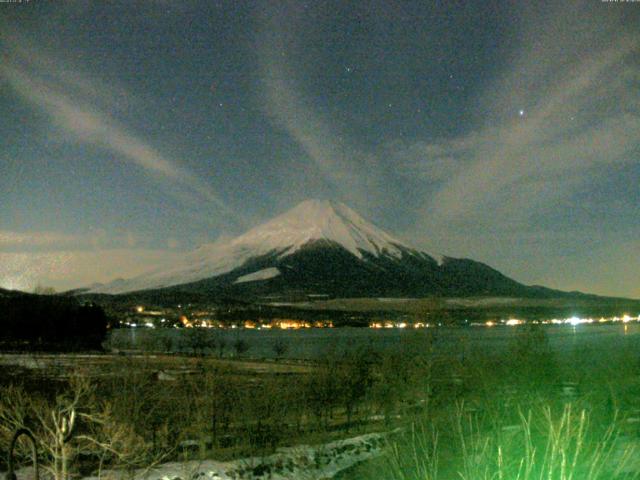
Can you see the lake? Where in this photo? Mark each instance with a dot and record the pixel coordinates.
(314, 343)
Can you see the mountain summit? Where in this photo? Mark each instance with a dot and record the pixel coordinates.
(320, 247)
(314, 220)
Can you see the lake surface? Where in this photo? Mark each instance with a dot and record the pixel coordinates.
(314, 343)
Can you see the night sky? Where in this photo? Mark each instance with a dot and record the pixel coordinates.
(507, 132)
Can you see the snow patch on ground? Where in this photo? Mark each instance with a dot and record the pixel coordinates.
(263, 274)
(291, 463)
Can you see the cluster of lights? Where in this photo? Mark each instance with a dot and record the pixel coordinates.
(512, 322)
(194, 322)
(143, 324)
(297, 324)
(389, 324)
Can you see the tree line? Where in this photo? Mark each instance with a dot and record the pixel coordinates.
(50, 322)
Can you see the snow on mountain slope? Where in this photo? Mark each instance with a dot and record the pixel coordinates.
(320, 220)
(285, 234)
(263, 274)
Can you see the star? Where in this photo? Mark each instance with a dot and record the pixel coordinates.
(348, 69)
(521, 113)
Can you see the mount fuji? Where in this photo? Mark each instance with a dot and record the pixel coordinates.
(322, 248)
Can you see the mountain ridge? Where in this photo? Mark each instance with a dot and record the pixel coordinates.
(322, 247)
(309, 221)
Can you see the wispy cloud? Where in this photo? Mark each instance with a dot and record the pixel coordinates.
(68, 269)
(431, 162)
(95, 239)
(555, 121)
(336, 159)
(10, 239)
(72, 102)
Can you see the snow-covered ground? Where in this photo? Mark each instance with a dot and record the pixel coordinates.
(292, 463)
(303, 462)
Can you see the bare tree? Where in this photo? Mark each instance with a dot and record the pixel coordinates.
(240, 346)
(221, 343)
(74, 423)
(280, 348)
(198, 340)
(167, 340)
(52, 425)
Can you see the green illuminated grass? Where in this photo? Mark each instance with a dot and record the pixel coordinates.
(560, 443)
(528, 413)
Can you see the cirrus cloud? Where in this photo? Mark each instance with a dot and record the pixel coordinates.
(73, 104)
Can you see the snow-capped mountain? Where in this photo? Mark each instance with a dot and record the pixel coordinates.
(318, 246)
(320, 220)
